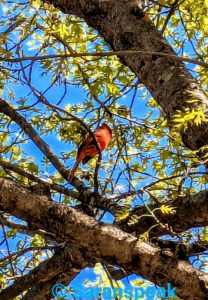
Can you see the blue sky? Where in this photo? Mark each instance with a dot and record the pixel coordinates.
(75, 96)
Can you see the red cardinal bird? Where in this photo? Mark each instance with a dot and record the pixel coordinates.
(87, 149)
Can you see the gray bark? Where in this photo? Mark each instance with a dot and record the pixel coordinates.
(190, 211)
(48, 272)
(125, 27)
(103, 242)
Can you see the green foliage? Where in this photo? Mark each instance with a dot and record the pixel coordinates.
(185, 25)
(144, 155)
(166, 209)
(188, 117)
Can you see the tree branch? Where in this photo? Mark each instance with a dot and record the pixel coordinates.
(6, 109)
(103, 242)
(25, 229)
(104, 54)
(168, 80)
(190, 211)
(53, 186)
(67, 259)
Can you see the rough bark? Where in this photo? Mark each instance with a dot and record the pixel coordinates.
(103, 242)
(68, 259)
(43, 289)
(125, 27)
(190, 211)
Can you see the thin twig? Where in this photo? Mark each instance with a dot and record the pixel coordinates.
(103, 54)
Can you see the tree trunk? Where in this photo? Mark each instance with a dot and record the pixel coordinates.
(125, 27)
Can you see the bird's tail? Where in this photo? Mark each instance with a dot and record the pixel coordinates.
(76, 165)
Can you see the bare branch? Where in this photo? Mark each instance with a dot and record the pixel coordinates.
(38, 141)
(53, 186)
(105, 54)
(26, 230)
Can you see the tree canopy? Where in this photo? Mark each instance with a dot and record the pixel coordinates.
(141, 206)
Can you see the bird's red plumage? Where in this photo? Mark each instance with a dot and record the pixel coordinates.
(87, 149)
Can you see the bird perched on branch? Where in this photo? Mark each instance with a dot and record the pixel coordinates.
(88, 148)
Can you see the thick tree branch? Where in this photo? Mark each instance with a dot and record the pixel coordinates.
(184, 251)
(42, 290)
(68, 259)
(190, 211)
(125, 27)
(103, 242)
